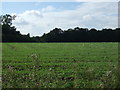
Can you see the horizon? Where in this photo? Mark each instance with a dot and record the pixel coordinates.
(38, 18)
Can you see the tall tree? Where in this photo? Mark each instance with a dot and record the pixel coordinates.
(9, 33)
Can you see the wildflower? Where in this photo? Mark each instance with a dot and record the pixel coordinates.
(10, 68)
(50, 69)
(34, 56)
(91, 70)
(101, 85)
(108, 73)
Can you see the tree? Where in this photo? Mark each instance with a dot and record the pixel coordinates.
(6, 19)
(9, 33)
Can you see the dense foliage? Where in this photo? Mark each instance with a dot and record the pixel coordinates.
(82, 35)
(9, 34)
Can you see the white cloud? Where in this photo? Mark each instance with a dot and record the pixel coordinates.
(48, 8)
(88, 15)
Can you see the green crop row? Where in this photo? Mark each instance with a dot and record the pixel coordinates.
(60, 65)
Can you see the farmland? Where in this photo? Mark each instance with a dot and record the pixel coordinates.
(60, 65)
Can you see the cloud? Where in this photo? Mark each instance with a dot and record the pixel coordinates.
(48, 8)
(88, 15)
(32, 13)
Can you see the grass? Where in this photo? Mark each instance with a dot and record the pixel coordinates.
(60, 65)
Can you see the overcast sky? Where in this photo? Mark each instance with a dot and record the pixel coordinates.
(37, 18)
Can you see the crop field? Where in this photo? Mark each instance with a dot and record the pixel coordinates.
(60, 65)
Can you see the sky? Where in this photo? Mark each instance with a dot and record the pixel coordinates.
(38, 18)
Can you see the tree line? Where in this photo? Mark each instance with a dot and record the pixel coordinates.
(9, 34)
(82, 35)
